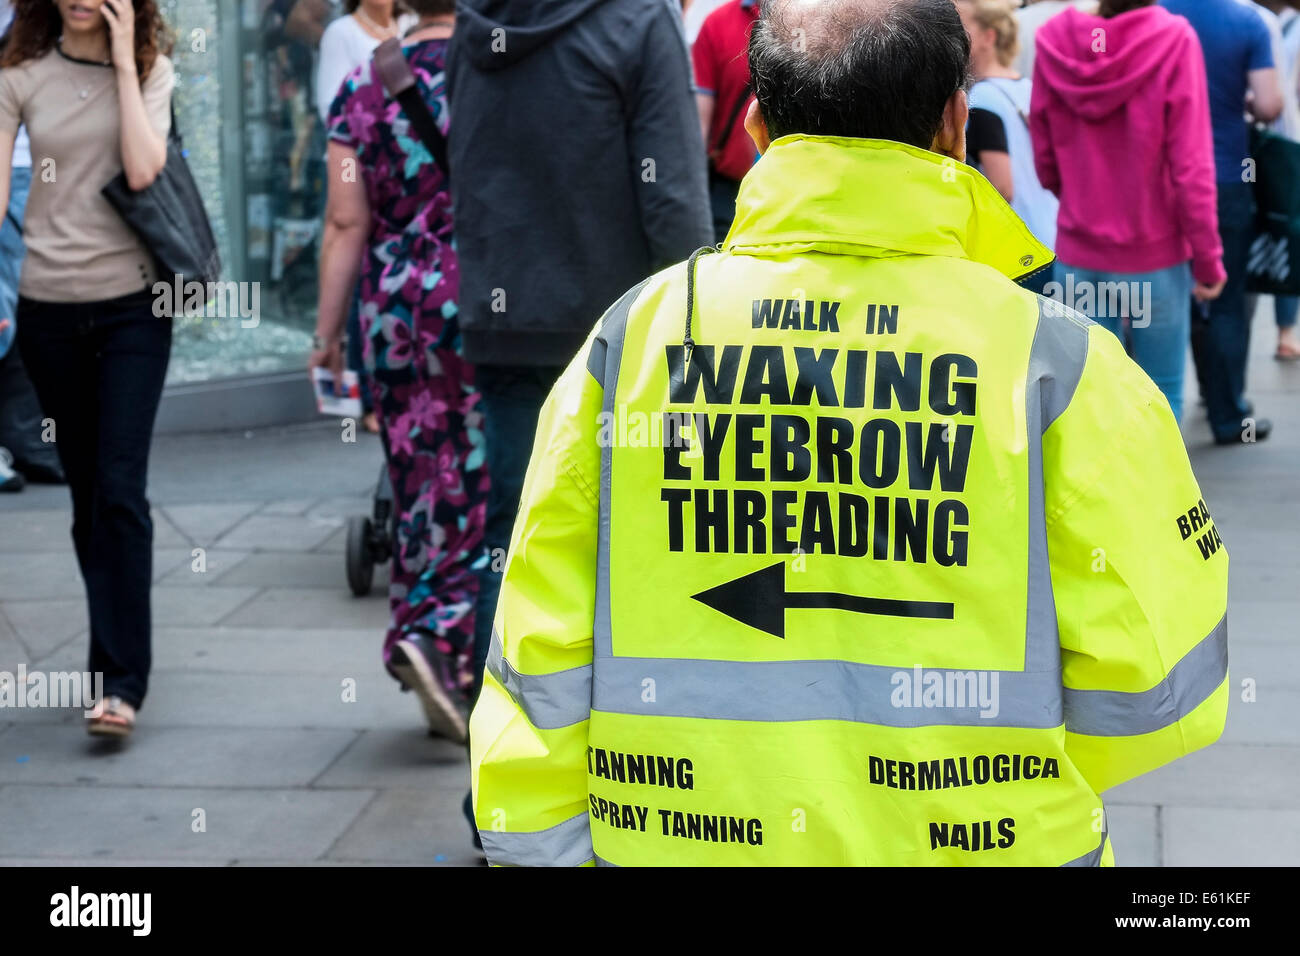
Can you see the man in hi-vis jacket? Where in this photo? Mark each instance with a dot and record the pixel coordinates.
(837, 545)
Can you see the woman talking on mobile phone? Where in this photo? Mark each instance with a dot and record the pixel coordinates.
(90, 80)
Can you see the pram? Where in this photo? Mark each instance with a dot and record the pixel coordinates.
(370, 537)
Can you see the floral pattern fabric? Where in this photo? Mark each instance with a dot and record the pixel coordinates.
(423, 389)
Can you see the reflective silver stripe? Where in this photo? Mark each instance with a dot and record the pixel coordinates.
(565, 844)
(1115, 713)
(613, 323)
(812, 690)
(1056, 360)
(601, 861)
(1058, 355)
(612, 332)
(550, 701)
(1092, 857)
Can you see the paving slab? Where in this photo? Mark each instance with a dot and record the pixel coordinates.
(1133, 834)
(44, 530)
(311, 570)
(168, 560)
(273, 532)
(205, 523)
(402, 758)
(287, 506)
(1263, 622)
(164, 756)
(165, 534)
(43, 625)
(208, 568)
(1225, 775)
(316, 609)
(196, 699)
(1269, 719)
(336, 543)
(197, 606)
(34, 575)
(1229, 837)
(411, 826)
(158, 822)
(232, 650)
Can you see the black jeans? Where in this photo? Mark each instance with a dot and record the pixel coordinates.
(722, 203)
(511, 400)
(20, 417)
(98, 368)
(1221, 328)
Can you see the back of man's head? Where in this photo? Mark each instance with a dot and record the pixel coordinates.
(881, 69)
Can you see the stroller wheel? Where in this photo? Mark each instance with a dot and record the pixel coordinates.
(361, 567)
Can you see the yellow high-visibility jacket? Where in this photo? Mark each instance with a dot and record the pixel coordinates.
(838, 547)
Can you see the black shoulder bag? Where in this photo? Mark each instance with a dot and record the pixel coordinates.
(169, 217)
(395, 73)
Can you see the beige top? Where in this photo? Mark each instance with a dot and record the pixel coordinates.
(78, 248)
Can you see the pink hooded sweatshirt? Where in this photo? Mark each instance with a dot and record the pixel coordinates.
(1120, 121)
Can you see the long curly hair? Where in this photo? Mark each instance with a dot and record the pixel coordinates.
(37, 25)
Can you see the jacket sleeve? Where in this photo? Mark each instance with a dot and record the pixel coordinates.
(1040, 134)
(1139, 576)
(665, 146)
(1189, 149)
(528, 732)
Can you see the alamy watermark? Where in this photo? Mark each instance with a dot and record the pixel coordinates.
(945, 689)
(1103, 300)
(40, 689)
(209, 300)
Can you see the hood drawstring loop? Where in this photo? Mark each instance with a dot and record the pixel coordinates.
(688, 343)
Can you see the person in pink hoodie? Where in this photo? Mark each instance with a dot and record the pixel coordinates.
(1120, 121)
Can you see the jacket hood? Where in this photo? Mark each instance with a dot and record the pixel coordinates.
(874, 197)
(1096, 65)
(524, 26)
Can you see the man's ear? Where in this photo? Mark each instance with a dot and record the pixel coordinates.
(756, 127)
(951, 138)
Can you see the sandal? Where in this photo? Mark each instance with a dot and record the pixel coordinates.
(1287, 353)
(112, 717)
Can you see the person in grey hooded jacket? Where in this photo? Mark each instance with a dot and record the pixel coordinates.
(577, 168)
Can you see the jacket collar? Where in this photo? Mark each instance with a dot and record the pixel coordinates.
(877, 198)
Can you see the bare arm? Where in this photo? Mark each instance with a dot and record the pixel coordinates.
(1265, 98)
(6, 166)
(347, 222)
(997, 169)
(6, 170)
(144, 151)
(704, 103)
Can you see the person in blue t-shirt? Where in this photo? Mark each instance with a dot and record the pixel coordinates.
(1242, 80)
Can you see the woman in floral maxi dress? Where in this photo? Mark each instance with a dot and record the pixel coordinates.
(388, 221)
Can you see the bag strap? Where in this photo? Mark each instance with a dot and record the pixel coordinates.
(395, 73)
(741, 100)
(1014, 105)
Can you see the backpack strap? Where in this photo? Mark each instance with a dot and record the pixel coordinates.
(716, 152)
(395, 73)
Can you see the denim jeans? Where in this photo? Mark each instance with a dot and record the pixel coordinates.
(1221, 328)
(511, 400)
(1151, 317)
(98, 368)
(12, 249)
(20, 412)
(1285, 308)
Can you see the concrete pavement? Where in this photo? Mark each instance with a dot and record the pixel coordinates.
(250, 751)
